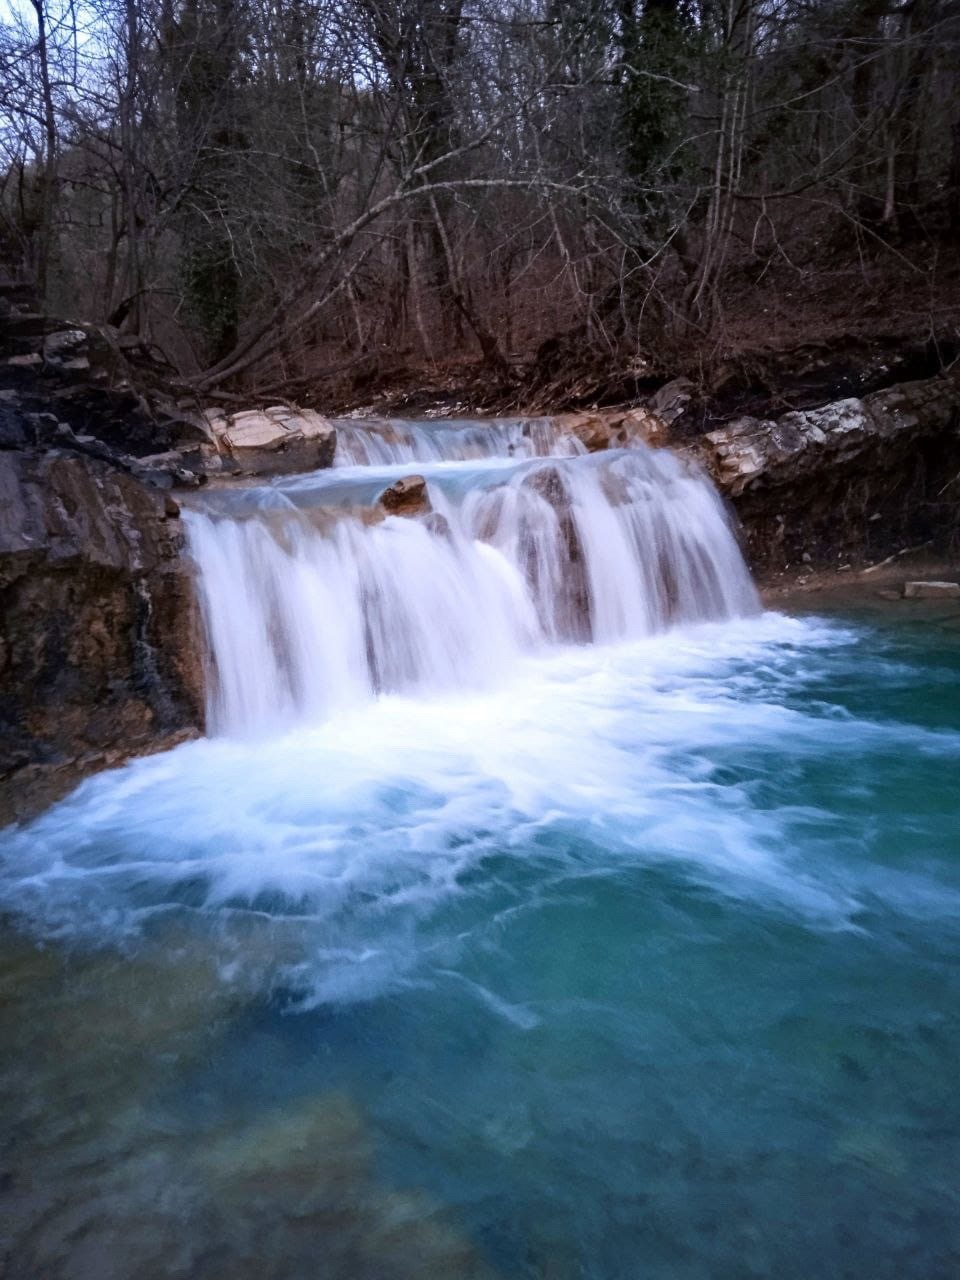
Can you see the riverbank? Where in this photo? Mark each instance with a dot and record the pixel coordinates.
(879, 586)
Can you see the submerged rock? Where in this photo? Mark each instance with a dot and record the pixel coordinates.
(931, 590)
(570, 599)
(549, 484)
(307, 1173)
(407, 496)
(438, 525)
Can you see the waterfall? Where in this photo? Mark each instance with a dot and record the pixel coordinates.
(313, 603)
(450, 440)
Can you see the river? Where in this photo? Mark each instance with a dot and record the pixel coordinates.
(538, 906)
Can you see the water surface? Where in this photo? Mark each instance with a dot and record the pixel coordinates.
(643, 964)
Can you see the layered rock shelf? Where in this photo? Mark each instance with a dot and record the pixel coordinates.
(273, 441)
(100, 651)
(852, 480)
(100, 654)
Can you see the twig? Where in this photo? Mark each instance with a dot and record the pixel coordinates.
(882, 564)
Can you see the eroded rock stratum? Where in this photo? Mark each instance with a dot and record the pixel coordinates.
(856, 479)
(99, 644)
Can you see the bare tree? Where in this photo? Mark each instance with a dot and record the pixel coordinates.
(261, 185)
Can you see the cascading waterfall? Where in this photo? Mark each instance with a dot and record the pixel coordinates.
(600, 944)
(451, 440)
(311, 604)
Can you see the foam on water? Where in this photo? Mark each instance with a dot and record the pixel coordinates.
(397, 703)
(354, 831)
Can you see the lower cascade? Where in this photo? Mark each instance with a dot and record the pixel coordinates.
(312, 603)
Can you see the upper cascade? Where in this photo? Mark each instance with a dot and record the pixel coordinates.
(388, 442)
(309, 609)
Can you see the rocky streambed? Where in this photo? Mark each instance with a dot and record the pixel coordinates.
(100, 648)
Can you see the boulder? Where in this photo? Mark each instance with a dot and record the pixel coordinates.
(407, 496)
(65, 345)
(931, 590)
(255, 430)
(612, 428)
(591, 429)
(275, 441)
(672, 399)
(216, 420)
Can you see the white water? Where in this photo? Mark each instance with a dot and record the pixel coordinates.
(451, 440)
(561, 678)
(309, 613)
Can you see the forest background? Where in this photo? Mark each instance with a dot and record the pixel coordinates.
(284, 194)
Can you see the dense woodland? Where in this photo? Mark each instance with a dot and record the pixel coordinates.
(274, 190)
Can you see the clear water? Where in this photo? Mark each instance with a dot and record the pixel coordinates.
(643, 962)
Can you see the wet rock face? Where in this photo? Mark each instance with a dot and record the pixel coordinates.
(614, 428)
(407, 496)
(100, 655)
(571, 618)
(857, 478)
(99, 649)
